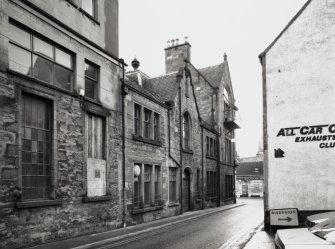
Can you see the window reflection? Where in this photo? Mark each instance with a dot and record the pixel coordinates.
(45, 61)
(19, 60)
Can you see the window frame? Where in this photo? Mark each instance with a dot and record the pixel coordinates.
(173, 178)
(94, 9)
(32, 34)
(153, 134)
(96, 81)
(187, 131)
(147, 198)
(103, 131)
(147, 130)
(22, 160)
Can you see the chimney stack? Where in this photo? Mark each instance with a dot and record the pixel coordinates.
(175, 54)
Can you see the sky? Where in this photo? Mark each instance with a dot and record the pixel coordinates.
(241, 28)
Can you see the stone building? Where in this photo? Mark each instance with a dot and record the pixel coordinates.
(249, 176)
(175, 124)
(60, 139)
(82, 151)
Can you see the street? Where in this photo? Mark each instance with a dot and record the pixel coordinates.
(229, 229)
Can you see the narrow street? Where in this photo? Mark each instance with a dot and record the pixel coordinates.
(229, 229)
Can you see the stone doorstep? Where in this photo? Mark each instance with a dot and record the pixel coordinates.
(174, 221)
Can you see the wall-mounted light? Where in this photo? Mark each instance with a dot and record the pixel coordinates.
(81, 92)
(137, 170)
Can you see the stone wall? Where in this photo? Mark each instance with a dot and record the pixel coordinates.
(22, 225)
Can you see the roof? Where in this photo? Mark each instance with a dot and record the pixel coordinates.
(132, 83)
(164, 87)
(249, 168)
(286, 28)
(213, 74)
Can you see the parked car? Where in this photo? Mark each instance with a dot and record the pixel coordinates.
(320, 236)
(314, 219)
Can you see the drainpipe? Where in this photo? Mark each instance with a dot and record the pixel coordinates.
(218, 177)
(124, 92)
(181, 151)
(202, 169)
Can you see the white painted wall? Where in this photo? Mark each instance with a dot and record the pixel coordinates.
(300, 89)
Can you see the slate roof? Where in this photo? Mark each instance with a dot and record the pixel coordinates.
(248, 168)
(213, 74)
(132, 82)
(164, 87)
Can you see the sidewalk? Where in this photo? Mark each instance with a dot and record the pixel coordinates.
(94, 240)
(261, 240)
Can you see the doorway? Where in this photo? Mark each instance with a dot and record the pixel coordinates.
(186, 190)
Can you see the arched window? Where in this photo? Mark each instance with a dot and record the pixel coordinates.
(187, 129)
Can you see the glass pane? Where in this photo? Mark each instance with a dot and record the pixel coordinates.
(90, 89)
(63, 58)
(19, 59)
(42, 69)
(44, 48)
(88, 6)
(27, 134)
(20, 36)
(63, 78)
(91, 71)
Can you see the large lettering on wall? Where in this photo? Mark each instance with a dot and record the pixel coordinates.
(324, 135)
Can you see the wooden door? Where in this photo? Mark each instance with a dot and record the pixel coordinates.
(186, 191)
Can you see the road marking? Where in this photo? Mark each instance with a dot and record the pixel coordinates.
(236, 238)
(240, 237)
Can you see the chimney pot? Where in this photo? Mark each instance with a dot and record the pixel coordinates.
(185, 38)
(177, 41)
(172, 42)
(168, 43)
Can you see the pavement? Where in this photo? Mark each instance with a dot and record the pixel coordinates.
(134, 232)
(261, 240)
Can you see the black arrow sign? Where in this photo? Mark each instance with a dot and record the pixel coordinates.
(279, 153)
(288, 219)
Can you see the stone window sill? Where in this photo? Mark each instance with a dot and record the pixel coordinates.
(6, 205)
(211, 157)
(198, 200)
(188, 151)
(146, 209)
(211, 198)
(174, 204)
(146, 140)
(97, 198)
(40, 203)
(89, 16)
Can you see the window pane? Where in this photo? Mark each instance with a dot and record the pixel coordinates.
(63, 77)
(19, 59)
(137, 120)
(63, 58)
(91, 71)
(88, 6)
(91, 89)
(20, 36)
(42, 69)
(42, 47)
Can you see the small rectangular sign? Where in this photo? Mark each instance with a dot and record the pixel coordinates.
(284, 217)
